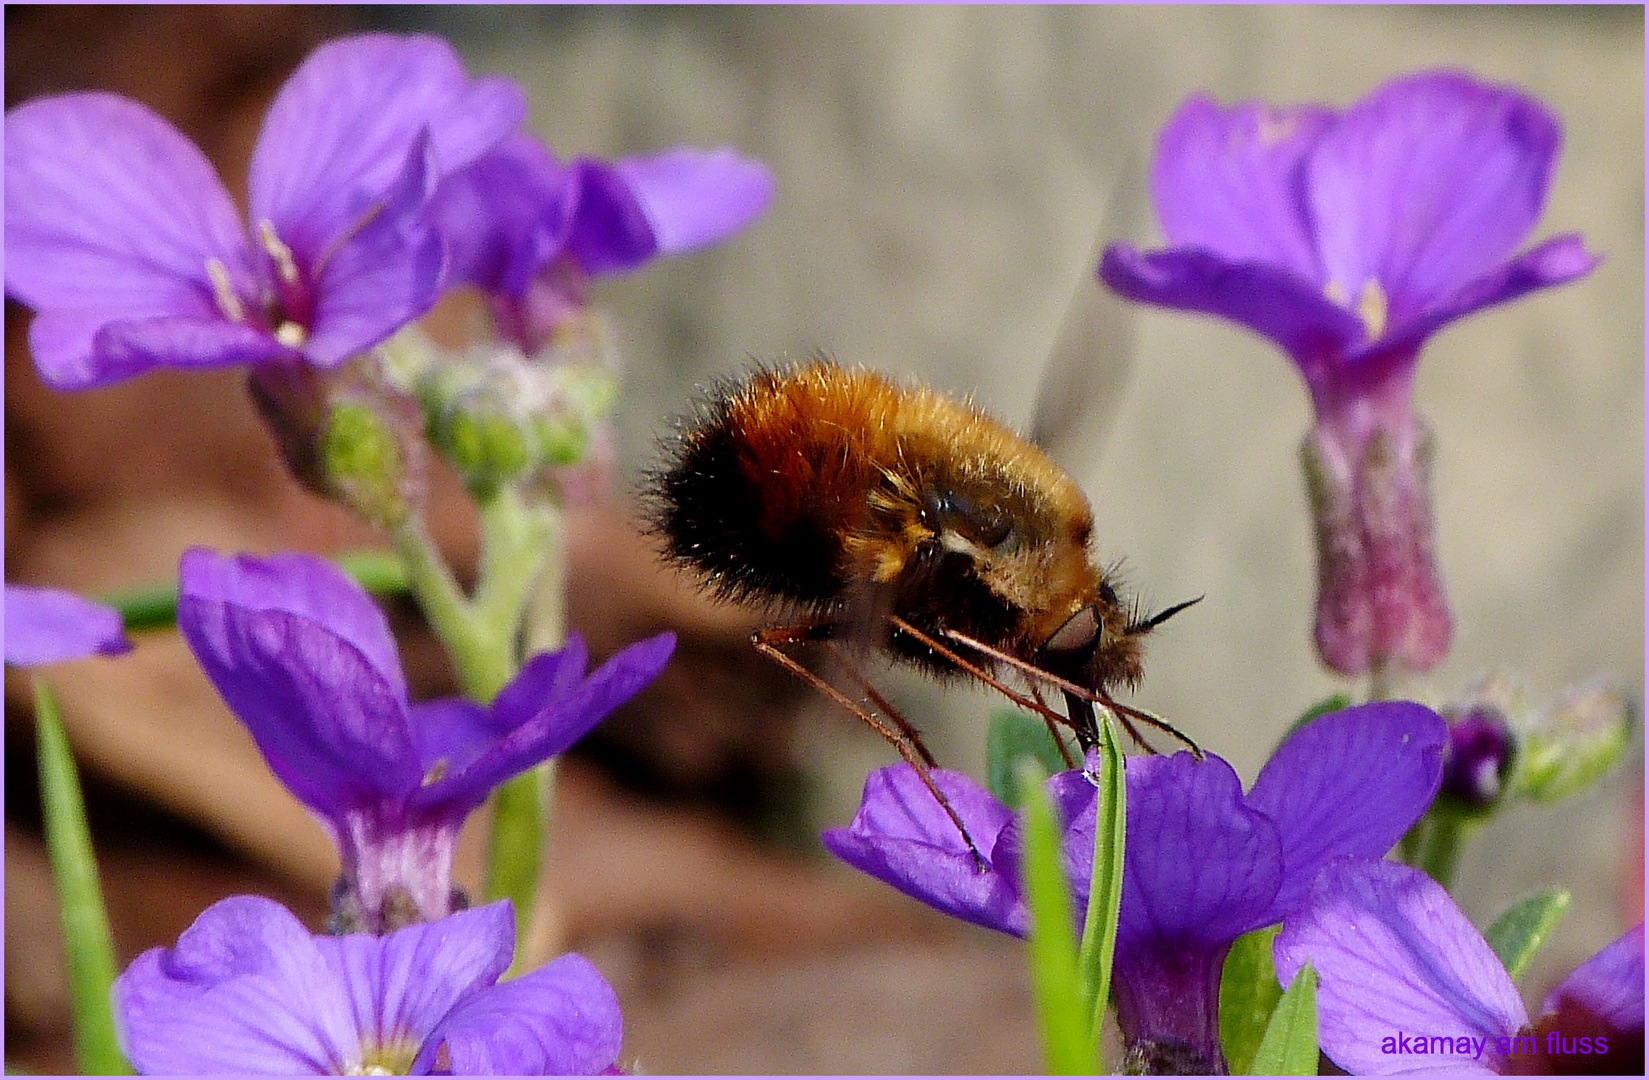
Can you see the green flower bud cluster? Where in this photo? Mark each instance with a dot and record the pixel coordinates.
(501, 419)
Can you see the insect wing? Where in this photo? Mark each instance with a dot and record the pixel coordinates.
(1089, 366)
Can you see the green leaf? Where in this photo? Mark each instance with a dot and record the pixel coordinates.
(1289, 1046)
(155, 607)
(1249, 993)
(1014, 735)
(1099, 932)
(87, 943)
(1067, 1036)
(1523, 928)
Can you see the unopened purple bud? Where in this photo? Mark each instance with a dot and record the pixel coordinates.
(1478, 757)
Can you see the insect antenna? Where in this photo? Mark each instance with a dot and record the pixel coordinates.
(1160, 617)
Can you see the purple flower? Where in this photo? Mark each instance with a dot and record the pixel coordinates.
(1203, 864)
(248, 990)
(44, 626)
(1406, 983)
(306, 660)
(130, 251)
(532, 231)
(1349, 239)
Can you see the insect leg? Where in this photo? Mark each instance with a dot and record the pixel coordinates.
(1041, 709)
(1064, 751)
(903, 737)
(881, 702)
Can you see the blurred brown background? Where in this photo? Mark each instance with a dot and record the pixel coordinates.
(941, 174)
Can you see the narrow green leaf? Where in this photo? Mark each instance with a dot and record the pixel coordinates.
(1289, 1047)
(87, 943)
(154, 607)
(1249, 993)
(1099, 931)
(1067, 1038)
(1014, 735)
(1523, 928)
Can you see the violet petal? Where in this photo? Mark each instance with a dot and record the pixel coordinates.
(554, 727)
(329, 725)
(546, 677)
(610, 231)
(506, 215)
(1393, 954)
(128, 347)
(111, 214)
(387, 273)
(696, 197)
(402, 985)
(450, 733)
(44, 626)
(302, 585)
(560, 1020)
(1554, 262)
(1200, 864)
(338, 132)
(1349, 784)
(1230, 180)
(245, 990)
(1609, 985)
(1428, 183)
(902, 836)
(1271, 301)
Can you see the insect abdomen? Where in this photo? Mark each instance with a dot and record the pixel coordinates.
(763, 488)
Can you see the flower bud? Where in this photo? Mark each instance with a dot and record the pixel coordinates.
(1568, 746)
(364, 457)
(484, 440)
(1478, 757)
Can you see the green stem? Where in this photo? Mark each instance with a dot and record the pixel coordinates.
(1440, 845)
(523, 557)
(480, 670)
(87, 943)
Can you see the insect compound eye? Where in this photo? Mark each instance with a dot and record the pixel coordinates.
(986, 525)
(1079, 634)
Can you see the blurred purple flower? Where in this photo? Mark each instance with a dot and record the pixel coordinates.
(248, 990)
(531, 230)
(123, 240)
(1395, 959)
(305, 659)
(1348, 784)
(1349, 239)
(44, 626)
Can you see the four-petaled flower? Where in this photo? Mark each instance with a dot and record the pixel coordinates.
(1349, 239)
(45, 626)
(306, 660)
(248, 990)
(1202, 865)
(1396, 958)
(123, 240)
(532, 231)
